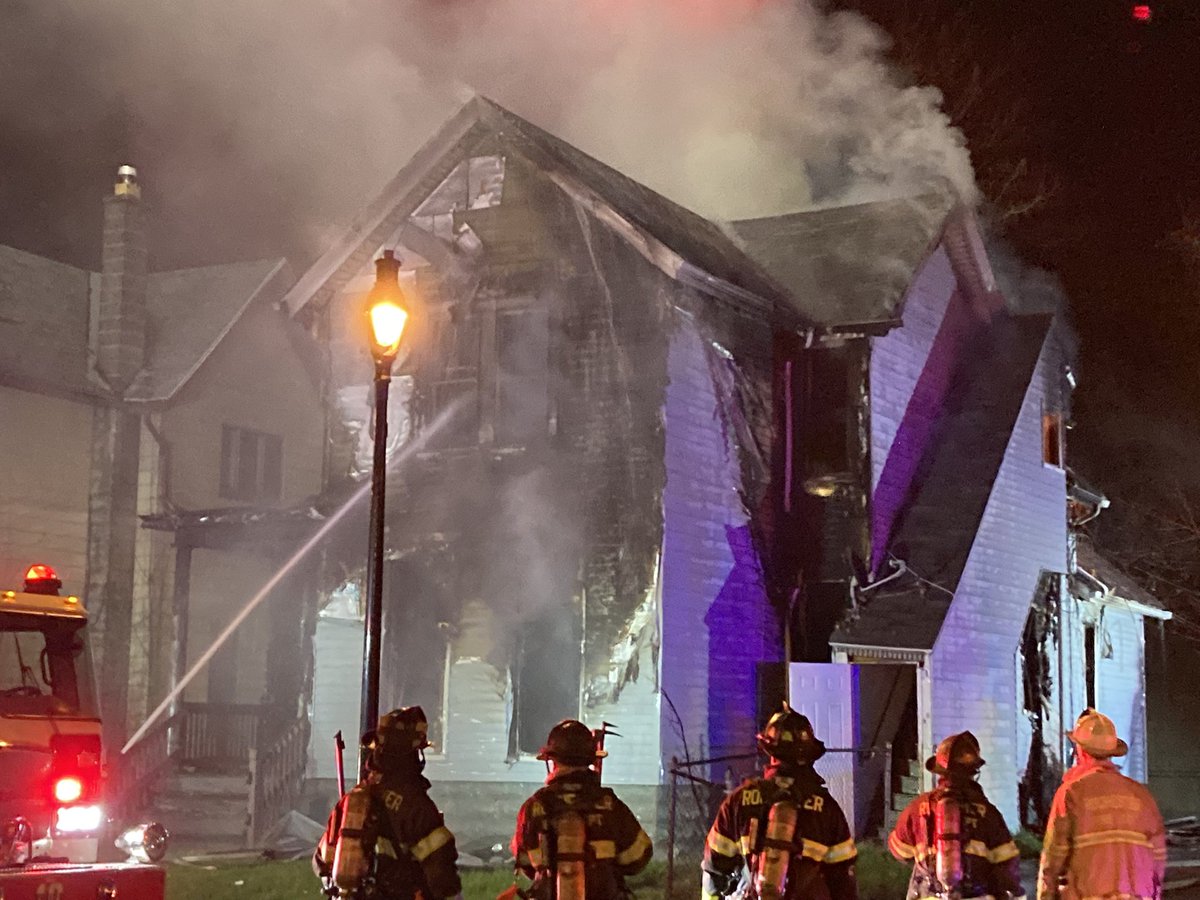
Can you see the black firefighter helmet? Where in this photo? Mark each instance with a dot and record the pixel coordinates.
(400, 735)
(788, 736)
(572, 743)
(956, 755)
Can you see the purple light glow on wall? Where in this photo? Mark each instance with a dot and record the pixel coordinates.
(917, 428)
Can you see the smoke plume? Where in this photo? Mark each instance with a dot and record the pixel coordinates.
(735, 108)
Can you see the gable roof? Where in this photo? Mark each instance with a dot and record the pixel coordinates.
(786, 264)
(848, 266)
(939, 523)
(189, 311)
(45, 328)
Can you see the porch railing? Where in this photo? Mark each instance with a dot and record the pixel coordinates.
(219, 734)
(136, 776)
(276, 776)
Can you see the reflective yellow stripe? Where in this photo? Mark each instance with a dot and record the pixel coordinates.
(745, 843)
(535, 856)
(718, 843)
(976, 848)
(385, 847)
(815, 851)
(433, 841)
(640, 846)
(705, 895)
(841, 852)
(1004, 852)
(603, 849)
(1118, 836)
(899, 848)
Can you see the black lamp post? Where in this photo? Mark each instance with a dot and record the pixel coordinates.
(387, 316)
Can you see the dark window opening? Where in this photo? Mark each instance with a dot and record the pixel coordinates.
(413, 663)
(545, 679)
(1052, 439)
(456, 410)
(827, 420)
(521, 369)
(251, 464)
(1089, 664)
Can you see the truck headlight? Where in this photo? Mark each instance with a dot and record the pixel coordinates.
(77, 819)
(146, 843)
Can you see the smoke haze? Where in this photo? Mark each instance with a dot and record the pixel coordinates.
(284, 117)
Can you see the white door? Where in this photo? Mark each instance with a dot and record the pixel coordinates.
(825, 692)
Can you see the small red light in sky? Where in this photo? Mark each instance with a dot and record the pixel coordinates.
(1142, 12)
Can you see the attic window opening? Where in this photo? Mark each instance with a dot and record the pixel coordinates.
(1053, 440)
(251, 465)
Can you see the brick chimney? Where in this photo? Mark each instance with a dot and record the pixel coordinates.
(121, 337)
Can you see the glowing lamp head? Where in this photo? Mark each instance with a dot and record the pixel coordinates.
(1142, 12)
(41, 579)
(68, 789)
(385, 309)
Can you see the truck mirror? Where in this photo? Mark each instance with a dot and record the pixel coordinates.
(16, 842)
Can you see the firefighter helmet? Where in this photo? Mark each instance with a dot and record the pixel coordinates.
(402, 731)
(1096, 733)
(571, 742)
(789, 736)
(956, 755)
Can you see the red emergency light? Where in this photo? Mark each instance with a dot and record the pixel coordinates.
(68, 789)
(1142, 12)
(41, 579)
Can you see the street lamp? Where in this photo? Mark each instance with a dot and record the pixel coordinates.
(386, 317)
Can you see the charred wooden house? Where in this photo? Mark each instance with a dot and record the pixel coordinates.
(648, 459)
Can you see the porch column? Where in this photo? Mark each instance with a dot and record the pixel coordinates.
(179, 611)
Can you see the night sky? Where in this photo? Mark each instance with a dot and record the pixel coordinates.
(1113, 113)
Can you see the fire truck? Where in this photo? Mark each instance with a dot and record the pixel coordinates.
(52, 799)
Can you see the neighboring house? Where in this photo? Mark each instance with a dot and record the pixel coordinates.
(651, 458)
(133, 397)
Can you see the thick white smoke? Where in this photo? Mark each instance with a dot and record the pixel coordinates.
(735, 108)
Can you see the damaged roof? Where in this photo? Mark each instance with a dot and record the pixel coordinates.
(46, 311)
(1090, 560)
(849, 265)
(833, 267)
(939, 522)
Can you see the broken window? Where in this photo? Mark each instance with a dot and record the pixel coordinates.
(521, 369)
(827, 422)
(415, 643)
(545, 678)
(251, 464)
(1052, 439)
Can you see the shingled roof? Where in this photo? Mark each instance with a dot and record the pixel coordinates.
(848, 266)
(45, 308)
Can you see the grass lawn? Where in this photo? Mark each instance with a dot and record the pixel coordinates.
(879, 878)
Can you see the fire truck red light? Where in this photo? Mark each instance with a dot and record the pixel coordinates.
(1142, 12)
(40, 572)
(68, 790)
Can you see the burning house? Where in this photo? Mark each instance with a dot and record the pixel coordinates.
(649, 459)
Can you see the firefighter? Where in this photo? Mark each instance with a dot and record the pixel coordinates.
(386, 839)
(783, 831)
(1105, 836)
(956, 840)
(574, 837)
